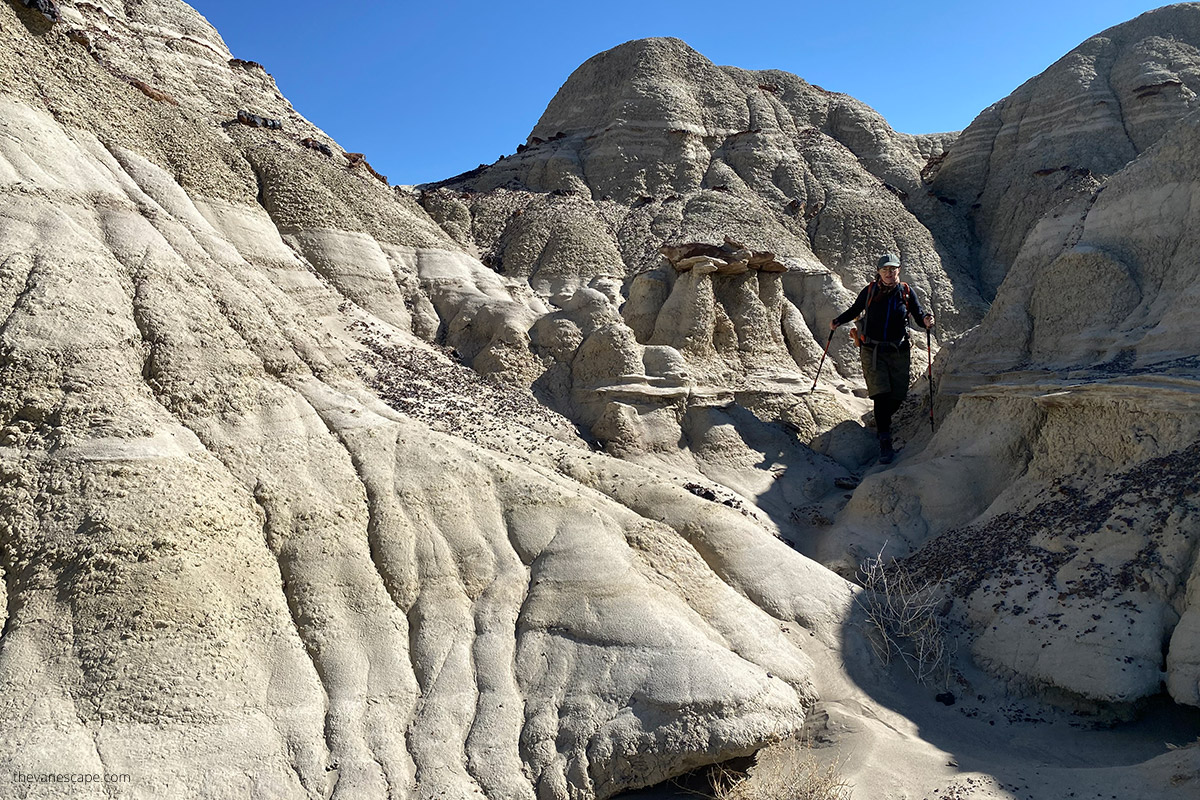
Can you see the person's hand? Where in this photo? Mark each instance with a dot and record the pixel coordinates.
(833, 326)
(928, 320)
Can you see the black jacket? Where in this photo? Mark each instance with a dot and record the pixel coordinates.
(885, 320)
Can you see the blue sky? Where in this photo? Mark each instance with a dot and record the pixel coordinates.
(428, 90)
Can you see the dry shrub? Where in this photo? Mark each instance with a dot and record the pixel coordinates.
(904, 619)
(783, 772)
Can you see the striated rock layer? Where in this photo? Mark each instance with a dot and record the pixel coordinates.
(1092, 339)
(1062, 133)
(650, 144)
(259, 537)
(301, 490)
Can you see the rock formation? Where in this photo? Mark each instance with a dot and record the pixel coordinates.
(654, 143)
(1065, 465)
(650, 144)
(260, 537)
(315, 487)
(1090, 351)
(1062, 133)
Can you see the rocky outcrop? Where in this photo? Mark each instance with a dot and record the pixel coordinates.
(1107, 289)
(1057, 497)
(300, 482)
(653, 143)
(1062, 133)
(262, 533)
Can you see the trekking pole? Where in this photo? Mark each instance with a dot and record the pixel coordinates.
(929, 369)
(822, 364)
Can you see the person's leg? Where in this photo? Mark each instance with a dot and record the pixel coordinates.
(885, 407)
(875, 373)
(875, 370)
(899, 374)
(895, 365)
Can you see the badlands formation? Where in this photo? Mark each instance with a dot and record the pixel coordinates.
(513, 486)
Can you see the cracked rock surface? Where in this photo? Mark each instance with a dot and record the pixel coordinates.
(315, 487)
(260, 537)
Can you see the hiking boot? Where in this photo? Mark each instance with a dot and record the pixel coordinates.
(886, 453)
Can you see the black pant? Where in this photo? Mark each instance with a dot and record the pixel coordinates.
(885, 407)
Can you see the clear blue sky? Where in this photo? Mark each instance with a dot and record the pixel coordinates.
(430, 89)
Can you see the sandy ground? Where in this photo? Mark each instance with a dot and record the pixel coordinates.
(893, 740)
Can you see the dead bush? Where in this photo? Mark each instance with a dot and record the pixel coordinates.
(789, 771)
(904, 619)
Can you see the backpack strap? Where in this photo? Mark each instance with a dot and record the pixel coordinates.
(905, 292)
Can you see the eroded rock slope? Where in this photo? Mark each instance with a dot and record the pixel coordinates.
(1062, 133)
(259, 537)
(650, 144)
(1058, 498)
(300, 490)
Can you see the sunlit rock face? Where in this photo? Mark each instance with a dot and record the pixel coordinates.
(650, 143)
(1062, 133)
(1058, 498)
(263, 534)
(648, 146)
(1092, 332)
(313, 486)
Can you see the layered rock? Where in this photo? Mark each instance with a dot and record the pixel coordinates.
(650, 144)
(260, 537)
(1060, 134)
(1058, 496)
(653, 143)
(1108, 292)
(263, 531)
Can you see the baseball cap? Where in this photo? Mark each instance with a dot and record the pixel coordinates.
(888, 260)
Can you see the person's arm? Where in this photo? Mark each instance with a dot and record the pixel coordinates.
(859, 304)
(923, 318)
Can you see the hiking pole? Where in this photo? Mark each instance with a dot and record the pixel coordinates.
(929, 368)
(822, 364)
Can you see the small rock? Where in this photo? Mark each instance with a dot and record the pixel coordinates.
(945, 698)
(255, 121)
(154, 94)
(244, 64)
(358, 158)
(81, 37)
(320, 147)
(48, 8)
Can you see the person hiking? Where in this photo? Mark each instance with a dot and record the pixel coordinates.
(884, 343)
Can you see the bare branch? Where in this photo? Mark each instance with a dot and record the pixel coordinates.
(904, 619)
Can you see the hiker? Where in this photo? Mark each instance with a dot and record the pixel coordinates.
(884, 343)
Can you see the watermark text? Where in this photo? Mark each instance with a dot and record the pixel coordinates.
(70, 777)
